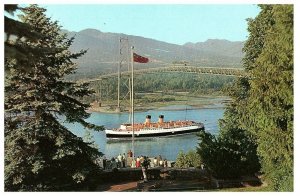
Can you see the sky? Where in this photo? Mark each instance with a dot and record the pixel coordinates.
(175, 23)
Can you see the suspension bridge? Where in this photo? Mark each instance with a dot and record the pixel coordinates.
(237, 72)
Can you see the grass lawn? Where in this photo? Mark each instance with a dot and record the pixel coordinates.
(244, 189)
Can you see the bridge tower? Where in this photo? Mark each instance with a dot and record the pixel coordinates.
(124, 60)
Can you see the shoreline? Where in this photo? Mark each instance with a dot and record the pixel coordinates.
(195, 104)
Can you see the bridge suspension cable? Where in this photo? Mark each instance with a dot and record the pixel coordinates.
(237, 72)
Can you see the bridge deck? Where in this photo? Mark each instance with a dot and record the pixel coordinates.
(237, 72)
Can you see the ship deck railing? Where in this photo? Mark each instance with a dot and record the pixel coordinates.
(156, 128)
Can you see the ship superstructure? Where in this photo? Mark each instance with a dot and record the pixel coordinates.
(153, 129)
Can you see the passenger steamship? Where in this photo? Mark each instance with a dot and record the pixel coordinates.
(156, 129)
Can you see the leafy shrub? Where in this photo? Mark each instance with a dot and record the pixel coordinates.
(190, 159)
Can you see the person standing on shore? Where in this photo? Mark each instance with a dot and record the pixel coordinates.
(158, 160)
(104, 162)
(145, 164)
(138, 163)
(133, 163)
(141, 159)
(120, 160)
(124, 160)
(155, 161)
(165, 163)
(117, 162)
(113, 163)
(129, 154)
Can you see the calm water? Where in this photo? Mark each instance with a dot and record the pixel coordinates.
(168, 147)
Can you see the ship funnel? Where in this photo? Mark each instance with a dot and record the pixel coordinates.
(148, 119)
(161, 119)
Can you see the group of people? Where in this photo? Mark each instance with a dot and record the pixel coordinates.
(122, 161)
(157, 161)
(160, 162)
(140, 161)
(118, 162)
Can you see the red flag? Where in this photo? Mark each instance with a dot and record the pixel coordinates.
(140, 59)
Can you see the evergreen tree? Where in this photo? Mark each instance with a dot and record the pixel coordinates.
(261, 112)
(40, 153)
(14, 31)
(237, 142)
(230, 154)
(233, 152)
(270, 102)
(89, 139)
(258, 28)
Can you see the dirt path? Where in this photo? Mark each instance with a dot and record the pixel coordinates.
(127, 186)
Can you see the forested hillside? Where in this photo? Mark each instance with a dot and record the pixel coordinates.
(166, 83)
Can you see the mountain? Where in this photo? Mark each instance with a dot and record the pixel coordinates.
(220, 46)
(103, 52)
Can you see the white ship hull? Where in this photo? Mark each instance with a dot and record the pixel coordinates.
(154, 132)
